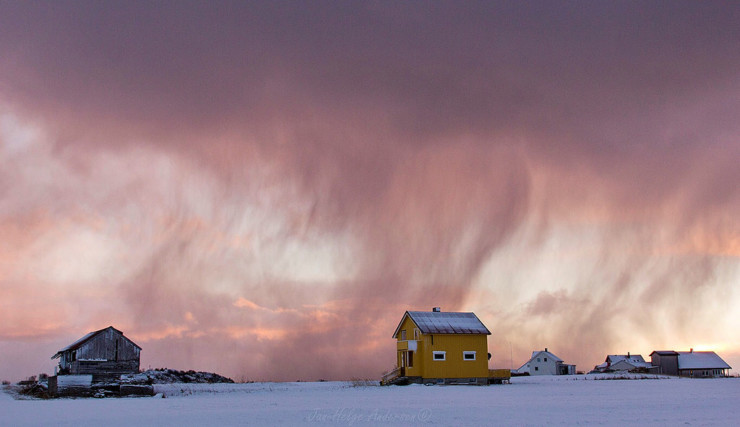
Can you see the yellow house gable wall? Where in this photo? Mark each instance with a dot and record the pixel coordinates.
(417, 367)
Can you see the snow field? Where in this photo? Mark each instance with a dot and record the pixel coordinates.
(527, 401)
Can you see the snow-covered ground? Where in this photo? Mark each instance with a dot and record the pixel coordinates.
(527, 401)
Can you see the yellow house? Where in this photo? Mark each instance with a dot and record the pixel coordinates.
(440, 348)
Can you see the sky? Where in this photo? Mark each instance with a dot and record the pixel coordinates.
(261, 189)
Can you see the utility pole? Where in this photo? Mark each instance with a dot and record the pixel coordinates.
(511, 356)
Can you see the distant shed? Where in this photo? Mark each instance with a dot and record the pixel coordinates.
(103, 353)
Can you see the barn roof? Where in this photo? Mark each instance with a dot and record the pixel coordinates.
(700, 360)
(439, 322)
(80, 342)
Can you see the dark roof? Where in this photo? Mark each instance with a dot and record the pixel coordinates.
(664, 353)
(438, 322)
(80, 342)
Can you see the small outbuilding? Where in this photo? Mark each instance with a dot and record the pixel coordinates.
(545, 363)
(103, 353)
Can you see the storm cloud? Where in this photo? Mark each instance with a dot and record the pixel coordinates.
(262, 189)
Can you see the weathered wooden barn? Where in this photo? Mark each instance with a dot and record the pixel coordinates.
(440, 348)
(103, 353)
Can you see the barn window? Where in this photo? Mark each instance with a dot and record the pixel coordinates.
(416, 333)
(468, 355)
(403, 334)
(439, 355)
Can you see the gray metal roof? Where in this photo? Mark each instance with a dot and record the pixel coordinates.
(442, 322)
(700, 360)
(631, 358)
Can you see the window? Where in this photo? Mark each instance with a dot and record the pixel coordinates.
(545, 359)
(536, 368)
(468, 355)
(439, 355)
(411, 359)
(538, 359)
(416, 333)
(403, 334)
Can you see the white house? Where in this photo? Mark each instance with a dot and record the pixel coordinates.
(621, 362)
(546, 363)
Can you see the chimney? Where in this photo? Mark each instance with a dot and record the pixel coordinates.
(628, 355)
(691, 350)
(545, 349)
(436, 310)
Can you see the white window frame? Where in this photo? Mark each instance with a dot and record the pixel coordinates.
(417, 333)
(403, 334)
(468, 353)
(436, 353)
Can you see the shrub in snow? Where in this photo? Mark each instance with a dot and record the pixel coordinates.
(356, 382)
(169, 376)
